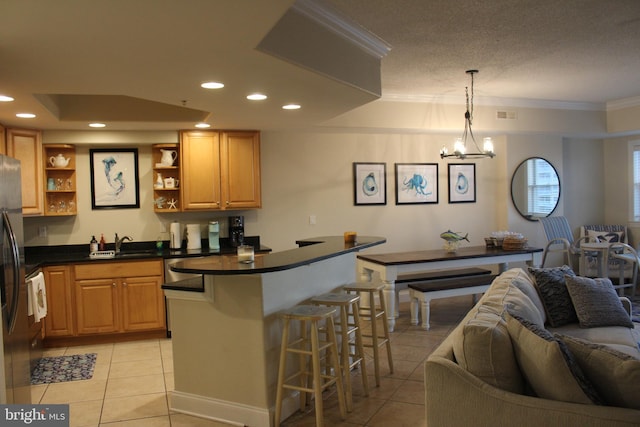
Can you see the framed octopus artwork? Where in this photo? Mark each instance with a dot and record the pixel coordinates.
(462, 182)
(416, 183)
(370, 183)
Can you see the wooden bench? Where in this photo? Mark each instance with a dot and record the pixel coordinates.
(429, 286)
(404, 280)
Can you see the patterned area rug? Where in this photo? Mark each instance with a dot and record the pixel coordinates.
(64, 368)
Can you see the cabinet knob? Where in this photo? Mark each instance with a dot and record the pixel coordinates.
(124, 283)
(113, 284)
(228, 203)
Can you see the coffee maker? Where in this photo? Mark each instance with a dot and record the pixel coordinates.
(236, 230)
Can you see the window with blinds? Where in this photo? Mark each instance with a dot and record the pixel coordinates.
(543, 188)
(636, 182)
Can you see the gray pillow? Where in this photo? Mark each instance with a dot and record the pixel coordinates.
(547, 363)
(550, 283)
(596, 302)
(615, 375)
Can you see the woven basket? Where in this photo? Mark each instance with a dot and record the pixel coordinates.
(513, 244)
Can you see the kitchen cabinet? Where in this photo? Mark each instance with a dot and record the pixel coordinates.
(60, 180)
(166, 168)
(220, 170)
(59, 320)
(3, 140)
(26, 146)
(119, 297)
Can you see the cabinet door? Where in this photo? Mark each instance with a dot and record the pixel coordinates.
(240, 169)
(200, 162)
(142, 303)
(26, 146)
(96, 306)
(3, 141)
(59, 320)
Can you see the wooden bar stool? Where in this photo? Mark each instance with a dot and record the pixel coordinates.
(350, 336)
(374, 313)
(309, 348)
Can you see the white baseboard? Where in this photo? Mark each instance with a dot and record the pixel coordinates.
(218, 410)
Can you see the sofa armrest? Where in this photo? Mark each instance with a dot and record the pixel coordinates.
(454, 397)
(626, 303)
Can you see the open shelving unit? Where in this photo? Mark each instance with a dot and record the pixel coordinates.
(60, 182)
(166, 199)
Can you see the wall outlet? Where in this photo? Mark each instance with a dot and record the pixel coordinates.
(42, 231)
(312, 219)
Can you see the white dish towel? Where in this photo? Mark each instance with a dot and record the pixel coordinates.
(37, 297)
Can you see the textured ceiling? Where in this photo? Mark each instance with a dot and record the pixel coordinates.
(569, 51)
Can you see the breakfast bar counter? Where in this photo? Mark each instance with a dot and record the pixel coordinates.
(226, 335)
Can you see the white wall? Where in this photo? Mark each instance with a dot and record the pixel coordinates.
(309, 172)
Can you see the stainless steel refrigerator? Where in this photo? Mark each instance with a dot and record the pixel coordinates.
(15, 378)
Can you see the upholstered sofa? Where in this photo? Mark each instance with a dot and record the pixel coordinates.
(506, 365)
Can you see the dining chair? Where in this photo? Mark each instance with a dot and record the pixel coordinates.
(560, 239)
(620, 257)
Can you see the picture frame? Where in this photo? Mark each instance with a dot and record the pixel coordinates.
(115, 182)
(416, 183)
(370, 183)
(462, 182)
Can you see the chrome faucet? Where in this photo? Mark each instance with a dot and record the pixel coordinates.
(119, 242)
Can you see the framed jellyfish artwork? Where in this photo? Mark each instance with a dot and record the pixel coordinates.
(370, 183)
(416, 183)
(114, 178)
(462, 182)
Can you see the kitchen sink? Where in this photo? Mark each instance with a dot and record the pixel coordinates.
(134, 254)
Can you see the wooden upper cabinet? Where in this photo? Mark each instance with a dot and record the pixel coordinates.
(200, 160)
(3, 140)
(220, 170)
(26, 146)
(240, 169)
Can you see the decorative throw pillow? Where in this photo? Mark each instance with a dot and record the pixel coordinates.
(605, 236)
(547, 364)
(615, 375)
(550, 283)
(596, 302)
(484, 349)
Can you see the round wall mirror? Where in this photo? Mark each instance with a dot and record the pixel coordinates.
(535, 188)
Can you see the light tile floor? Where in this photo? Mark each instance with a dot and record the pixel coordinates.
(131, 380)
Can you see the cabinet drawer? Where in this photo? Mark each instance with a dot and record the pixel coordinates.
(118, 269)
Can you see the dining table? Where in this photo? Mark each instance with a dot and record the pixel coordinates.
(392, 264)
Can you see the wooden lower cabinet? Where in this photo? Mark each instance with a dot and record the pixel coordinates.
(119, 305)
(97, 306)
(59, 321)
(105, 299)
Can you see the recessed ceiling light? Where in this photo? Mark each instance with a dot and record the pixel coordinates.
(5, 98)
(256, 97)
(25, 115)
(212, 85)
(97, 125)
(203, 125)
(291, 107)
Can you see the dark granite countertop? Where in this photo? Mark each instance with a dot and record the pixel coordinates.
(41, 256)
(310, 251)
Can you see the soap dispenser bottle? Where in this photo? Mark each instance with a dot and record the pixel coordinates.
(93, 245)
(102, 242)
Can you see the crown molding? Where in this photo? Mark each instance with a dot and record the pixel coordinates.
(620, 104)
(497, 102)
(330, 18)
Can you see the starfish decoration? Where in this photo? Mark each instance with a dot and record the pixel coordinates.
(172, 204)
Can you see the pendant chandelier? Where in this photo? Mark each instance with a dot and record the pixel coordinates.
(460, 146)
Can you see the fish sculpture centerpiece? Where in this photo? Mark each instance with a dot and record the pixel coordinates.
(452, 240)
